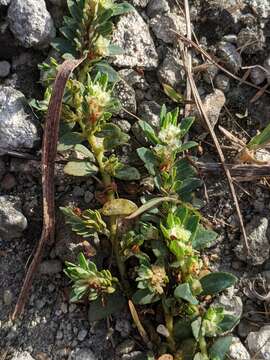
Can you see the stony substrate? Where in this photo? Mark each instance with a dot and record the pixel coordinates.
(51, 327)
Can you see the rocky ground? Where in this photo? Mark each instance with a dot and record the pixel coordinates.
(237, 33)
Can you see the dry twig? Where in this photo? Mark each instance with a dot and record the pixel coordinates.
(49, 148)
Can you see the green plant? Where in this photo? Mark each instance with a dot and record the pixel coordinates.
(155, 241)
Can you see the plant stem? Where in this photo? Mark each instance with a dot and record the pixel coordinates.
(203, 345)
(98, 151)
(169, 326)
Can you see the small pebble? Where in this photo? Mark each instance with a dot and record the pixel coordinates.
(8, 182)
(88, 196)
(72, 308)
(125, 347)
(4, 69)
(7, 297)
(59, 335)
(82, 334)
(64, 308)
(77, 191)
(49, 267)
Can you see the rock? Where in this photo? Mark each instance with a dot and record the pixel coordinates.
(250, 41)
(126, 95)
(25, 355)
(149, 111)
(140, 3)
(230, 56)
(172, 71)
(82, 334)
(7, 297)
(138, 133)
(82, 354)
(237, 350)
(163, 24)
(210, 73)
(4, 2)
(88, 196)
(134, 355)
(12, 221)
(133, 78)
(259, 343)
(8, 182)
(18, 126)
(222, 82)
(133, 36)
(245, 327)
(258, 242)
(123, 326)
(58, 2)
(213, 104)
(31, 23)
(4, 68)
(257, 75)
(123, 124)
(157, 7)
(125, 347)
(50, 267)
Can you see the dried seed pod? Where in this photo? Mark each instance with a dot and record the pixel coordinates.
(257, 75)
(229, 56)
(250, 41)
(222, 82)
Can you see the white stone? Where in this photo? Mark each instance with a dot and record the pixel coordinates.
(259, 343)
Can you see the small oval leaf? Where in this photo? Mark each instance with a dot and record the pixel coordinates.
(128, 173)
(214, 283)
(220, 347)
(80, 168)
(183, 292)
(119, 207)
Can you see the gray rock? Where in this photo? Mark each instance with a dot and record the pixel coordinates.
(125, 347)
(133, 78)
(140, 3)
(82, 354)
(134, 355)
(259, 343)
(126, 95)
(50, 267)
(82, 334)
(133, 36)
(150, 111)
(245, 327)
(88, 196)
(12, 221)
(230, 56)
(123, 326)
(157, 7)
(25, 355)
(250, 41)
(4, 2)
(237, 350)
(210, 73)
(162, 26)
(172, 70)
(257, 75)
(18, 127)
(4, 68)
(257, 240)
(222, 82)
(7, 297)
(123, 124)
(31, 23)
(138, 133)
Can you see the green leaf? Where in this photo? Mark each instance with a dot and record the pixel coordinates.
(74, 10)
(203, 238)
(84, 152)
(228, 323)
(188, 145)
(182, 329)
(183, 292)
(99, 310)
(220, 347)
(80, 168)
(216, 282)
(260, 140)
(68, 140)
(149, 159)
(114, 50)
(172, 94)
(149, 132)
(119, 207)
(127, 173)
(64, 46)
(196, 328)
(188, 186)
(143, 297)
(113, 136)
(123, 8)
(184, 170)
(104, 68)
(185, 125)
(149, 205)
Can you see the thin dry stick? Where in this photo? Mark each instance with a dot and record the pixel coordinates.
(200, 107)
(207, 56)
(188, 59)
(49, 147)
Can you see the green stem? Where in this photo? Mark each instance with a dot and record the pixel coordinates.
(98, 151)
(203, 345)
(169, 326)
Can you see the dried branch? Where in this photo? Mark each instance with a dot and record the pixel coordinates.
(49, 148)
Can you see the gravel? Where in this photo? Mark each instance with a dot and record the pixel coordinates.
(22, 356)
(4, 68)
(31, 23)
(157, 7)
(237, 350)
(133, 36)
(49, 267)
(126, 95)
(259, 343)
(82, 354)
(172, 71)
(163, 24)
(18, 127)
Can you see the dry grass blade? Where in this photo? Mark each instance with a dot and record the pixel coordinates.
(138, 323)
(200, 107)
(49, 148)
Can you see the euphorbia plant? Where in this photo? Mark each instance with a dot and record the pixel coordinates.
(155, 240)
